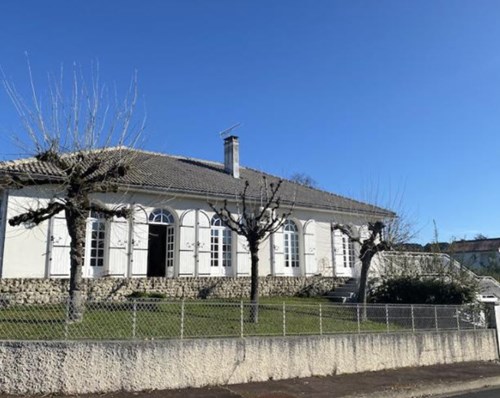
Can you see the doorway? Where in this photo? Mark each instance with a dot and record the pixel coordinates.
(157, 250)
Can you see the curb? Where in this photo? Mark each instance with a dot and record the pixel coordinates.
(438, 390)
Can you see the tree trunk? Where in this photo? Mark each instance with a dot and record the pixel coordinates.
(363, 279)
(77, 225)
(254, 292)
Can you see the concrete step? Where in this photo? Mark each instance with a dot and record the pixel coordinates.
(338, 299)
(344, 293)
(335, 293)
(345, 289)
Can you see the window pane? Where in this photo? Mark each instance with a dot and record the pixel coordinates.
(97, 242)
(220, 244)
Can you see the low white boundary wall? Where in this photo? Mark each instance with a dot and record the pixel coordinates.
(85, 367)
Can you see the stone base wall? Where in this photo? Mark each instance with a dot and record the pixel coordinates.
(32, 291)
(45, 367)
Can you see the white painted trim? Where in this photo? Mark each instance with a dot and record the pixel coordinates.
(130, 246)
(196, 242)
(4, 196)
(206, 197)
(50, 241)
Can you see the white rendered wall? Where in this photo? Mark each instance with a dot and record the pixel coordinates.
(98, 367)
(25, 252)
(25, 248)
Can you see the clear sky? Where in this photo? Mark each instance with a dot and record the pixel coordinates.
(400, 97)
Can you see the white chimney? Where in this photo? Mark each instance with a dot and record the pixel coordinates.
(232, 156)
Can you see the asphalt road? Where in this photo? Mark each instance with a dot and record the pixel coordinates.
(490, 393)
(382, 384)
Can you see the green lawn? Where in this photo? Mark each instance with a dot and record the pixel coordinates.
(201, 318)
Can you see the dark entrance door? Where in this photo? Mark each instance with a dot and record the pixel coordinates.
(157, 250)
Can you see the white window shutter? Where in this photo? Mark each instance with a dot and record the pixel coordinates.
(279, 252)
(311, 265)
(244, 267)
(60, 250)
(203, 244)
(140, 249)
(118, 247)
(187, 243)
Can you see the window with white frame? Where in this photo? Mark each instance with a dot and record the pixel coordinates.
(348, 251)
(161, 216)
(97, 240)
(220, 244)
(291, 244)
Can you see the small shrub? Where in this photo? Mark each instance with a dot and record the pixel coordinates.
(310, 291)
(415, 290)
(147, 295)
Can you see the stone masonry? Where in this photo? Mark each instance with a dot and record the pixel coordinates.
(31, 291)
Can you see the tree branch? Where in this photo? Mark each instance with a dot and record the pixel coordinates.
(347, 230)
(39, 215)
(99, 207)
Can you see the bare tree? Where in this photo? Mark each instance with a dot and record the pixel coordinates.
(304, 179)
(369, 247)
(385, 233)
(71, 137)
(256, 219)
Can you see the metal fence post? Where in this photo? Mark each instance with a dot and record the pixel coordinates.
(134, 319)
(242, 323)
(284, 319)
(458, 318)
(387, 316)
(358, 318)
(182, 318)
(436, 317)
(66, 323)
(412, 319)
(320, 320)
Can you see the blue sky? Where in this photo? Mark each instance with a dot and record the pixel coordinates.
(399, 97)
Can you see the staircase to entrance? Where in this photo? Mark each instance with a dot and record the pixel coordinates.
(345, 293)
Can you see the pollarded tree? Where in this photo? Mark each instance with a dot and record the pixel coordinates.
(255, 219)
(71, 138)
(369, 247)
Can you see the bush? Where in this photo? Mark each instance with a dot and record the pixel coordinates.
(415, 290)
(146, 295)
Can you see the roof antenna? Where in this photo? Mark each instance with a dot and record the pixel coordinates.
(227, 132)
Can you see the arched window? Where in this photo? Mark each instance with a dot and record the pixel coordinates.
(220, 246)
(161, 216)
(161, 243)
(291, 235)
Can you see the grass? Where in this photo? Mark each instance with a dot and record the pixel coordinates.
(201, 318)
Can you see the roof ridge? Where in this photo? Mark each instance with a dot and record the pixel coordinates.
(148, 152)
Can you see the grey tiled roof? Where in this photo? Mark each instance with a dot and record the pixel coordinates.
(479, 245)
(176, 174)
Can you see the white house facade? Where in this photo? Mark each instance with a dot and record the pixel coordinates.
(173, 232)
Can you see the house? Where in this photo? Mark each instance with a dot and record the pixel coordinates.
(478, 253)
(173, 231)
(432, 265)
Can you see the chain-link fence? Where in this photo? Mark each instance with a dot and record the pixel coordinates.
(150, 319)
